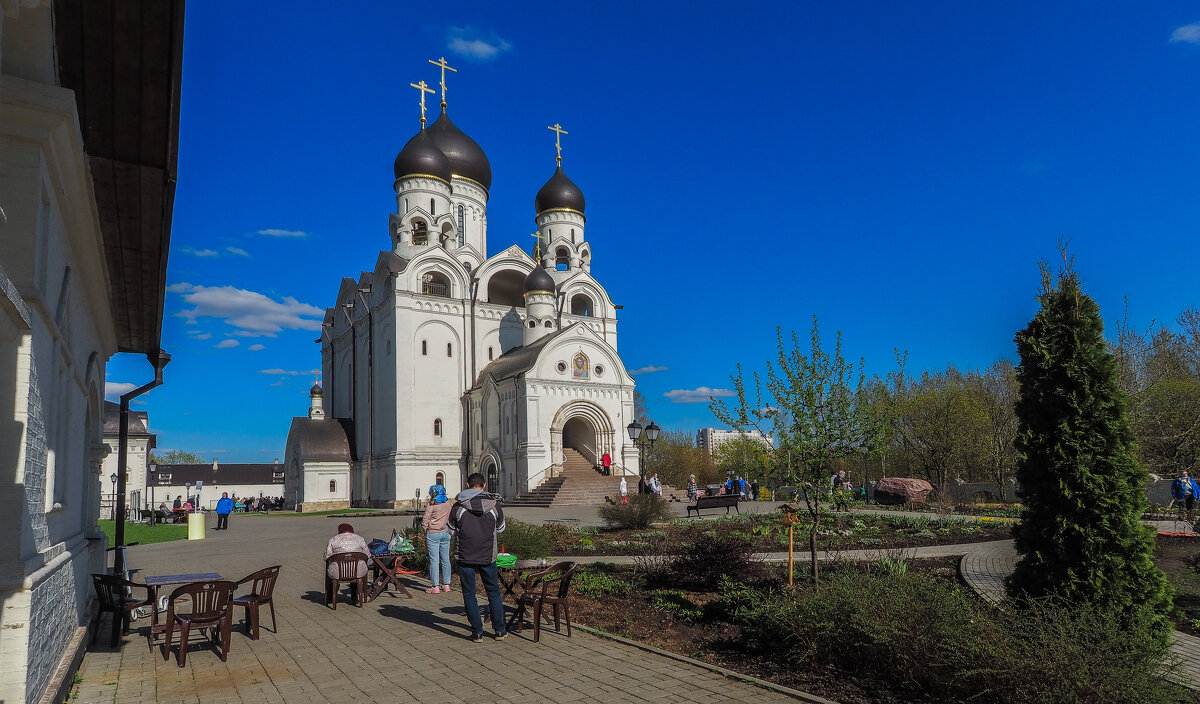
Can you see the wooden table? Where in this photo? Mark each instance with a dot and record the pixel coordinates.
(168, 580)
(385, 575)
(509, 576)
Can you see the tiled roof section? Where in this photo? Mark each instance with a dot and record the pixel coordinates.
(112, 420)
(322, 439)
(225, 474)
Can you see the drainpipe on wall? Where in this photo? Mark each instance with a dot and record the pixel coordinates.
(467, 428)
(370, 390)
(158, 360)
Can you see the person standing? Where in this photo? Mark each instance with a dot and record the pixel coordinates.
(178, 503)
(624, 489)
(691, 487)
(754, 490)
(437, 539)
(642, 484)
(1185, 489)
(224, 508)
(656, 485)
(476, 519)
(741, 485)
(606, 462)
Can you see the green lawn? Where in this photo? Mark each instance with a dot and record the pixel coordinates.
(144, 534)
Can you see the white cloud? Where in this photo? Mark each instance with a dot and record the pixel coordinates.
(470, 43)
(238, 251)
(699, 394)
(226, 344)
(252, 313)
(648, 369)
(198, 252)
(255, 348)
(114, 389)
(276, 232)
(1189, 33)
(199, 334)
(285, 372)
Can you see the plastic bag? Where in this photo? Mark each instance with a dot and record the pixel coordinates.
(399, 544)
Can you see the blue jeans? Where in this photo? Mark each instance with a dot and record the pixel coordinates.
(491, 584)
(439, 557)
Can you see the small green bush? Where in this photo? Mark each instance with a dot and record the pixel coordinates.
(593, 584)
(525, 540)
(677, 604)
(925, 534)
(639, 513)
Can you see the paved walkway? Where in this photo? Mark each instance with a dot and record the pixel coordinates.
(985, 566)
(394, 649)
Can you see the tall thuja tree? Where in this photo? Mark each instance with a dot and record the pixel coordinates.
(1080, 538)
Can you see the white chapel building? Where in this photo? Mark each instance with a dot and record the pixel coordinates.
(442, 360)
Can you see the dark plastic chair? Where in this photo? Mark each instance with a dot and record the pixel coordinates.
(550, 586)
(212, 607)
(347, 565)
(112, 599)
(260, 595)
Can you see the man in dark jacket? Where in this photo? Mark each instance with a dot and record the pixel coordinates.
(476, 519)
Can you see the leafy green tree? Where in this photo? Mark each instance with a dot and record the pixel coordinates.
(675, 456)
(810, 407)
(177, 457)
(742, 456)
(1080, 537)
(942, 424)
(997, 389)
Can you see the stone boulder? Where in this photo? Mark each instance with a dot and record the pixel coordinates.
(893, 491)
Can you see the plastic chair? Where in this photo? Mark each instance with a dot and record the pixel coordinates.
(211, 608)
(260, 595)
(550, 586)
(112, 599)
(347, 565)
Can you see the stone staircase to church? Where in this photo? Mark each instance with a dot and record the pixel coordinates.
(579, 484)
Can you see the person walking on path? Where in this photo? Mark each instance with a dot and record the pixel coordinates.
(655, 485)
(476, 520)
(437, 539)
(624, 489)
(691, 487)
(754, 490)
(606, 462)
(224, 508)
(1185, 489)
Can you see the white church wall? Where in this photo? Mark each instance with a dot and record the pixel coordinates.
(326, 486)
(135, 466)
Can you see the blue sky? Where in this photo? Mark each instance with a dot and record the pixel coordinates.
(897, 169)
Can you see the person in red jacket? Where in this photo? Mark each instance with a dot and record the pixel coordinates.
(606, 462)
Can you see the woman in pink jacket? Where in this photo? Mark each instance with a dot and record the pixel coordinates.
(437, 539)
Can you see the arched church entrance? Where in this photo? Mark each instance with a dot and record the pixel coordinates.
(579, 435)
(491, 475)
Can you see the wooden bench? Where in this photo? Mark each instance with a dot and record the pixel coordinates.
(727, 500)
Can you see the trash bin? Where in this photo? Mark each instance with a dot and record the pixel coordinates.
(196, 526)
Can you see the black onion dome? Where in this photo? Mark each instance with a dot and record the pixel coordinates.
(539, 280)
(559, 192)
(315, 390)
(421, 156)
(466, 158)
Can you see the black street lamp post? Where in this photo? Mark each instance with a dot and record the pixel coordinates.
(113, 478)
(153, 509)
(644, 438)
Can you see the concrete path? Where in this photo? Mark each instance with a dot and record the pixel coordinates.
(985, 566)
(393, 649)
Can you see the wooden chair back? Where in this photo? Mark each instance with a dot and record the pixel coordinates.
(347, 564)
(110, 591)
(263, 581)
(555, 581)
(209, 600)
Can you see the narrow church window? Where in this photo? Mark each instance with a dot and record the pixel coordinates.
(332, 486)
(437, 427)
(424, 347)
(490, 357)
(562, 259)
(405, 205)
(389, 347)
(533, 323)
(420, 233)
(549, 323)
(572, 235)
(460, 226)
(449, 350)
(432, 209)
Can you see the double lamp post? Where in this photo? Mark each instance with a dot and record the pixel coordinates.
(644, 439)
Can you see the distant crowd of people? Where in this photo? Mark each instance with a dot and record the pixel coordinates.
(225, 505)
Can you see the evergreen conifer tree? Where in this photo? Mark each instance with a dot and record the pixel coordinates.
(1080, 537)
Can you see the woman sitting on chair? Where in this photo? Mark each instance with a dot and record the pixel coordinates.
(346, 540)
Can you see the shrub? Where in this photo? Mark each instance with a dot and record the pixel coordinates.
(593, 584)
(562, 538)
(704, 558)
(639, 513)
(525, 540)
(677, 604)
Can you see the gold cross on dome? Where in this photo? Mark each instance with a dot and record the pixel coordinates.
(424, 88)
(441, 63)
(558, 131)
(317, 377)
(537, 248)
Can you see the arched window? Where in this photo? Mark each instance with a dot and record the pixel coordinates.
(439, 478)
(533, 323)
(572, 235)
(562, 259)
(449, 349)
(490, 355)
(435, 284)
(420, 232)
(406, 205)
(549, 323)
(507, 288)
(388, 347)
(437, 427)
(424, 347)
(432, 207)
(581, 304)
(332, 486)
(460, 226)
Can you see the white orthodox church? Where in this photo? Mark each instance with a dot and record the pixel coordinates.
(442, 361)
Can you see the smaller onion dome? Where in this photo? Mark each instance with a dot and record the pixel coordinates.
(315, 390)
(539, 280)
(421, 156)
(559, 192)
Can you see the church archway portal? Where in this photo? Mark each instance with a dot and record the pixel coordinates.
(579, 435)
